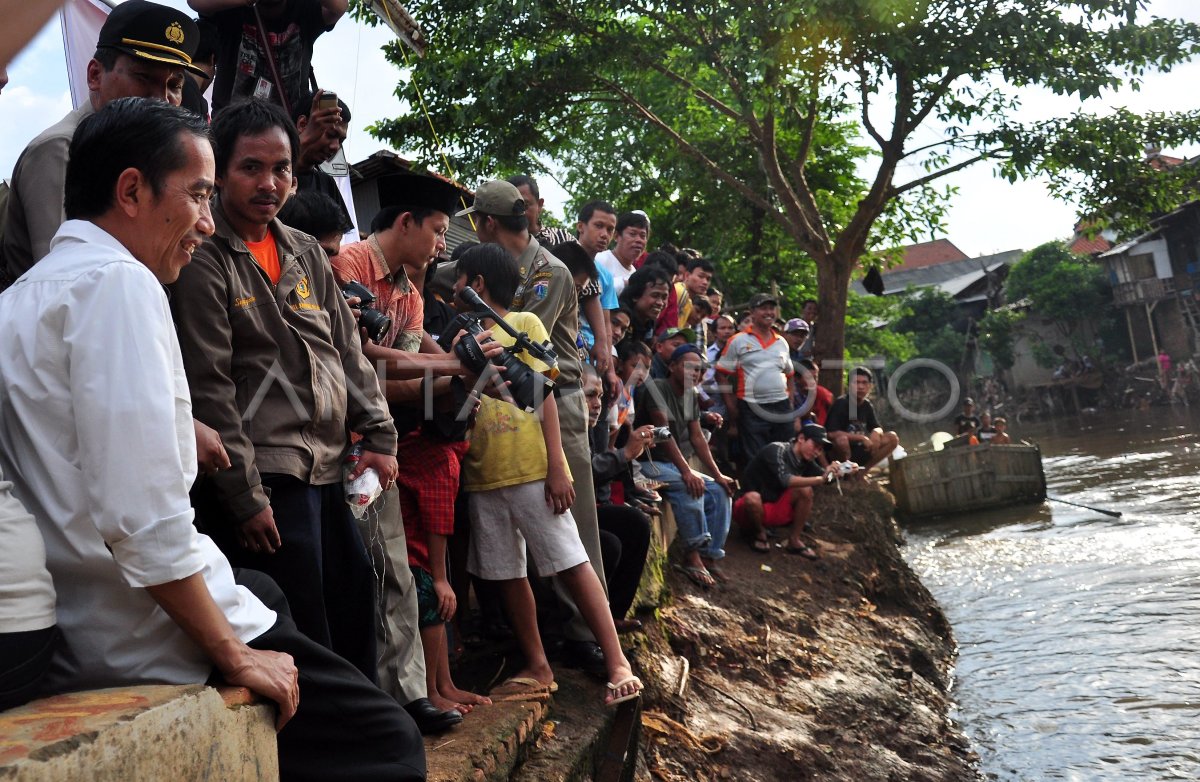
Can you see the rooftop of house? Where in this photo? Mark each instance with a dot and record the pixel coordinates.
(918, 256)
(944, 275)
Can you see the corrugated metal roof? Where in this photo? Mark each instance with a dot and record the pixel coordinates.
(1129, 244)
(935, 276)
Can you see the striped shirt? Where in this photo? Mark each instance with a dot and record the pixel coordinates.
(761, 370)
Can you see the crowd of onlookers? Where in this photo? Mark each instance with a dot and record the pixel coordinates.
(238, 448)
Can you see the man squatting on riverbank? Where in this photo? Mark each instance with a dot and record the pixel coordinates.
(779, 485)
(94, 372)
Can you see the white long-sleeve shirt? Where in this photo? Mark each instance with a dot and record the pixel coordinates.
(96, 435)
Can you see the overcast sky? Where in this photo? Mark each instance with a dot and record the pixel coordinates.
(989, 215)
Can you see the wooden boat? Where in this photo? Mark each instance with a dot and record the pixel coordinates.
(969, 478)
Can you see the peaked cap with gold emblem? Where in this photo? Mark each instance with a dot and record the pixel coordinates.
(153, 32)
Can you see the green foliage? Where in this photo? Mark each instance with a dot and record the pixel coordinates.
(1064, 287)
(933, 323)
(1099, 163)
(743, 126)
(997, 335)
(869, 332)
(1043, 353)
(929, 311)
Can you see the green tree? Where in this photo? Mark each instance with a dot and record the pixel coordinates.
(870, 331)
(757, 97)
(997, 335)
(1067, 288)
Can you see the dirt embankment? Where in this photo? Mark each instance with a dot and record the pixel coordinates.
(837, 669)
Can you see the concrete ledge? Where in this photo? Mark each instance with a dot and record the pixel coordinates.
(488, 745)
(155, 732)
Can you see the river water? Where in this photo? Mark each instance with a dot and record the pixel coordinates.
(1078, 633)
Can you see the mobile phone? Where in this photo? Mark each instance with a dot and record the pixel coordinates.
(328, 100)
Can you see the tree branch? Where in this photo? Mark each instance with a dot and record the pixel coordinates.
(942, 143)
(737, 184)
(808, 127)
(934, 96)
(809, 234)
(704, 95)
(895, 191)
(865, 96)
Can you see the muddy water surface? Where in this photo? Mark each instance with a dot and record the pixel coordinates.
(1079, 633)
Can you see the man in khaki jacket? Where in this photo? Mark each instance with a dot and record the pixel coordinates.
(274, 364)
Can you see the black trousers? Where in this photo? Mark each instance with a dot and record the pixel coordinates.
(624, 540)
(24, 659)
(322, 565)
(346, 729)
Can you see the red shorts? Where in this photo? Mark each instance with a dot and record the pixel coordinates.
(775, 514)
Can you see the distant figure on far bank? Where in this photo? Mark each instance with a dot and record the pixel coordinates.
(1164, 369)
(967, 419)
(853, 427)
(1001, 436)
(986, 429)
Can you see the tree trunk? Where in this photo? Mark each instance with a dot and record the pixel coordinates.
(833, 291)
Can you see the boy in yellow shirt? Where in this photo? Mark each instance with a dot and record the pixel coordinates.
(521, 494)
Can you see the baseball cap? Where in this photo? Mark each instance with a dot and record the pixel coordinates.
(686, 332)
(759, 299)
(796, 324)
(817, 433)
(153, 32)
(683, 350)
(497, 198)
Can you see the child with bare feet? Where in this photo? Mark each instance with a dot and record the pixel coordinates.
(520, 496)
(426, 490)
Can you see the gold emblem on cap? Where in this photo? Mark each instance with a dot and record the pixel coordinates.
(174, 33)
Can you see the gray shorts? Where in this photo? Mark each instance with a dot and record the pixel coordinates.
(505, 521)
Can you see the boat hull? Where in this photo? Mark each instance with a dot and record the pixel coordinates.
(962, 480)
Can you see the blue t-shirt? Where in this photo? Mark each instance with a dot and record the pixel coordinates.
(608, 301)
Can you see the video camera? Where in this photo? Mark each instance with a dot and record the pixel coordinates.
(527, 386)
(375, 322)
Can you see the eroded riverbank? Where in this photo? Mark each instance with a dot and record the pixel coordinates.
(831, 670)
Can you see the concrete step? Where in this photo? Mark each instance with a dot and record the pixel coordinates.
(489, 743)
(155, 732)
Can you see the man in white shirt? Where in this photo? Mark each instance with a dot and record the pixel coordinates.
(633, 233)
(96, 435)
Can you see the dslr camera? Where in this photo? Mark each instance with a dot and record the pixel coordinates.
(527, 387)
(375, 322)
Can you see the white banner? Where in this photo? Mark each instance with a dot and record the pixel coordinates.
(81, 23)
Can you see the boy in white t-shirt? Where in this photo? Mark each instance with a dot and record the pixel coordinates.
(521, 494)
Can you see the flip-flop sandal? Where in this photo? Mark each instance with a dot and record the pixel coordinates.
(611, 687)
(522, 688)
(718, 575)
(760, 546)
(803, 551)
(697, 575)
